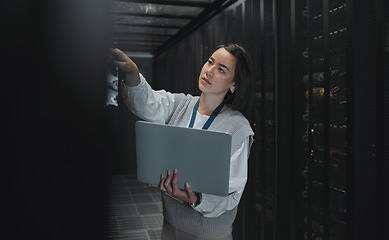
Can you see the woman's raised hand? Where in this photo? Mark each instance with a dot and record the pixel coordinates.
(128, 69)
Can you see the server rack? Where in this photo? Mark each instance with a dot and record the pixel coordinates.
(306, 168)
(327, 101)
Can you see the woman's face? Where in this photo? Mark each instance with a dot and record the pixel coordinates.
(217, 74)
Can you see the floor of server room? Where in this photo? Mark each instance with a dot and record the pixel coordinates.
(134, 211)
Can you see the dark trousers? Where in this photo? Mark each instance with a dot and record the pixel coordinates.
(171, 233)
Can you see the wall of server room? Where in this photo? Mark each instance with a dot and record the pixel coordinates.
(319, 165)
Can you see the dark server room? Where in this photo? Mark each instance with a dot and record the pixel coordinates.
(318, 167)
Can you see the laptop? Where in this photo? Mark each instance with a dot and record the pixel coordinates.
(201, 157)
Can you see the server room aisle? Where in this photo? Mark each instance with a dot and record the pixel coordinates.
(134, 211)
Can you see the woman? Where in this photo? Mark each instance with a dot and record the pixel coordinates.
(225, 85)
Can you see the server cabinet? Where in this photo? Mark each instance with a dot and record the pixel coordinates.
(327, 127)
(313, 130)
(369, 192)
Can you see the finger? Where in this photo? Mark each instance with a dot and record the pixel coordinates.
(120, 65)
(191, 194)
(175, 187)
(167, 183)
(114, 51)
(113, 54)
(118, 54)
(161, 186)
(175, 177)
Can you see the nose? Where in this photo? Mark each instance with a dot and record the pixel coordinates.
(210, 70)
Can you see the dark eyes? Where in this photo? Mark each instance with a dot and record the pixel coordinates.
(220, 69)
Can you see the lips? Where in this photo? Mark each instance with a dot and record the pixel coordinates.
(205, 80)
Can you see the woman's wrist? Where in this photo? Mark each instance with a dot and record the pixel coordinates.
(199, 197)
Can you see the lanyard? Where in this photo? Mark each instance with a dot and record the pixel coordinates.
(210, 119)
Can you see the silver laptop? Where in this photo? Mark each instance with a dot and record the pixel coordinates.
(201, 157)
